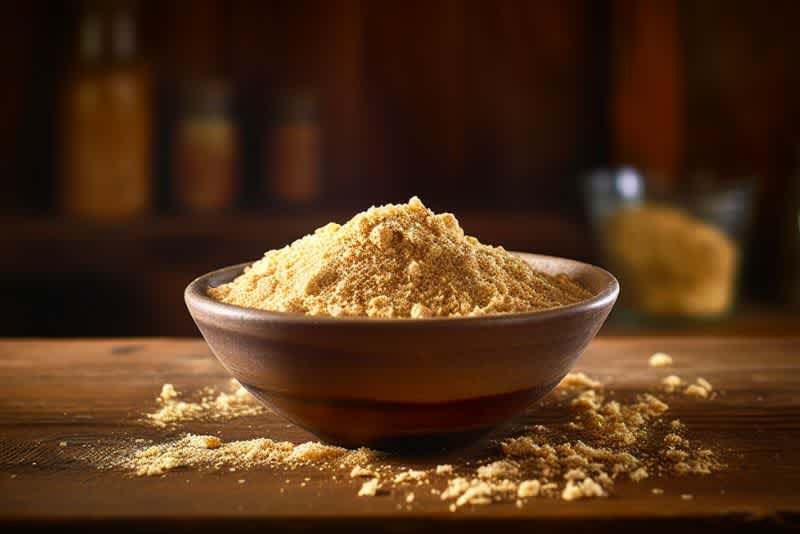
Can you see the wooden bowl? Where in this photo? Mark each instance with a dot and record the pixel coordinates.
(390, 383)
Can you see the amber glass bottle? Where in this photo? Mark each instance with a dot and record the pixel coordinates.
(293, 150)
(206, 148)
(107, 123)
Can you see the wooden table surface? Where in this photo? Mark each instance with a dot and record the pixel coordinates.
(88, 392)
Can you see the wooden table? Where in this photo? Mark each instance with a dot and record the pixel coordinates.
(83, 392)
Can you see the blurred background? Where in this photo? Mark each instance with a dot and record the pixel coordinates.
(145, 143)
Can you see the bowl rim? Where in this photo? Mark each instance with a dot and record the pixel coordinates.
(197, 300)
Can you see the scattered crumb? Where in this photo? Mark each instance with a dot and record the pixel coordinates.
(587, 488)
(603, 441)
(578, 380)
(478, 492)
(206, 442)
(703, 383)
(587, 400)
(369, 488)
(528, 488)
(210, 451)
(498, 469)
(444, 469)
(168, 393)
(238, 403)
(687, 496)
(657, 491)
(671, 383)
(696, 391)
(62, 444)
(409, 476)
(660, 359)
(359, 471)
(674, 440)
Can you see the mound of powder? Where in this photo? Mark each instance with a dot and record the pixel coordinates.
(396, 261)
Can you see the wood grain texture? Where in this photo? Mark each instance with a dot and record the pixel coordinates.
(83, 392)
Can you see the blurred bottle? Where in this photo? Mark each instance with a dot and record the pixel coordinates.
(107, 118)
(293, 151)
(205, 148)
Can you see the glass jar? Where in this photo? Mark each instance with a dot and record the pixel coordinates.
(676, 255)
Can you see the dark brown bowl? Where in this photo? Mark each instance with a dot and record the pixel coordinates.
(395, 382)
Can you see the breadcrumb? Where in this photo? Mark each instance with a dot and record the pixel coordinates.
(238, 403)
(579, 380)
(696, 391)
(671, 383)
(444, 469)
(528, 488)
(359, 471)
(703, 383)
(587, 488)
(660, 359)
(369, 488)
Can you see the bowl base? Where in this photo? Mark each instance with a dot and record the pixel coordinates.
(407, 427)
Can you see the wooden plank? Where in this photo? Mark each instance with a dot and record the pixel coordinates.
(83, 392)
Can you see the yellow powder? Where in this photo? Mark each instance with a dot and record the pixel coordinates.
(695, 390)
(603, 442)
(237, 403)
(578, 380)
(396, 261)
(359, 471)
(528, 488)
(671, 383)
(369, 488)
(498, 469)
(587, 488)
(659, 359)
(444, 469)
(211, 452)
(410, 475)
(695, 262)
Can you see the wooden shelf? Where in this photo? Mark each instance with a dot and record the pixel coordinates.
(176, 243)
(70, 278)
(75, 278)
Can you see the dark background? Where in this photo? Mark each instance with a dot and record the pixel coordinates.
(492, 110)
